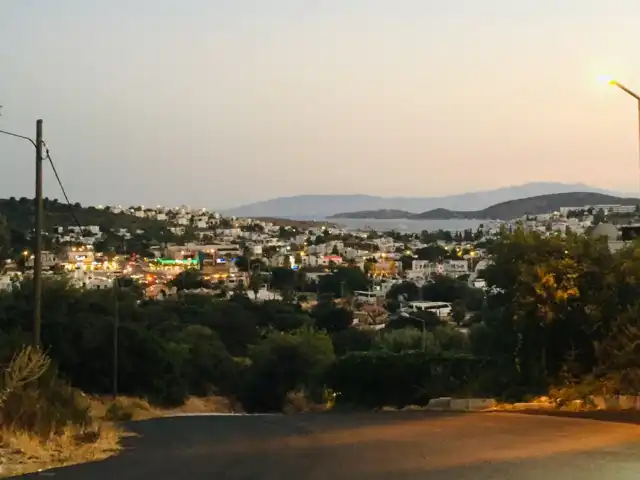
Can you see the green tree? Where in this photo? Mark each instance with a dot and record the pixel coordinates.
(189, 279)
(458, 311)
(330, 317)
(409, 290)
(343, 280)
(599, 217)
(5, 242)
(283, 363)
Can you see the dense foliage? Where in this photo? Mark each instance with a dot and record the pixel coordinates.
(558, 311)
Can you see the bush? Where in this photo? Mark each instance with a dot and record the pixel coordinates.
(46, 407)
(27, 365)
(406, 339)
(283, 363)
(383, 378)
(352, 340)
(298, 402)
(124, 409)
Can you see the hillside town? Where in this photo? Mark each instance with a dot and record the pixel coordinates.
(241, 254)
(319, 240)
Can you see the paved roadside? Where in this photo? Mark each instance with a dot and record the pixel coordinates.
(393, 445)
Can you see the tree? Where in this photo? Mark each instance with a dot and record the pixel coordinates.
(431, 253)
(551, 299)
(458, 311)
(329, 317)
(5, 242)
(419, 320)
(282, 278)
(255, 283)
(283, 363)
(343, 280)
(408, 290)
(189, 279)
(352, 340)
(242, 263)
(599, 217)
(444, 289)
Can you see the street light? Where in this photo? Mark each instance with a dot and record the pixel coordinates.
(424, 328)
(631, 93)
(37, 261)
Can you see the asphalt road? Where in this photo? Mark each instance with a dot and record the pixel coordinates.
(397, 445)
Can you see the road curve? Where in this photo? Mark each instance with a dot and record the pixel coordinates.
(396, 445)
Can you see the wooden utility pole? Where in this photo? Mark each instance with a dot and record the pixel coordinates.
(37, 264)
(116, 327)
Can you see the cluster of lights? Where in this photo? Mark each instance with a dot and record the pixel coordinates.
(82, 249)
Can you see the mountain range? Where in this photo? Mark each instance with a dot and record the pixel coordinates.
(501, 211)
(316, 207)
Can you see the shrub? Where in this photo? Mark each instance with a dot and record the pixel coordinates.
(352, 340)
(384, 378)
(27, 365)
(46, 407)
(124, 409)
(283, 363)
(406, 339)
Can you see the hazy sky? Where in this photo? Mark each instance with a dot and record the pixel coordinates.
(221, 102)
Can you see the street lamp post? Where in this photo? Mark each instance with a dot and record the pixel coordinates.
(637, 98)
(37, 261)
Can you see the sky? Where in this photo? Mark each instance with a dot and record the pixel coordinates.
(218, 103)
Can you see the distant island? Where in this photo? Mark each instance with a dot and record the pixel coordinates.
(501, 211)
(319, 207)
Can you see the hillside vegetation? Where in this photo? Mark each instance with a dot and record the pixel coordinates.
(20, 214)
(505, 210)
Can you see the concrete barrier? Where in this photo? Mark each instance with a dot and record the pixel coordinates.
(482, 403)
(462, 404)
(442, 403)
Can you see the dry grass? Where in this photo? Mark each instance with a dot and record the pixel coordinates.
(212, 404)
(122, 409)
(26, 452)
(299, 402)
(134, 409)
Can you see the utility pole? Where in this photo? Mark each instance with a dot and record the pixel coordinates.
(37, 264)
(116, 326)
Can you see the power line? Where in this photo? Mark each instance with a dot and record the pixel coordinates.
(18, 136)
(64, 192)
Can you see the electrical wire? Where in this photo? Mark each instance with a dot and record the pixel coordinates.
(18, 136)
(64, 192)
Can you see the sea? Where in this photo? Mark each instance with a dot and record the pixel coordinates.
(406, 226)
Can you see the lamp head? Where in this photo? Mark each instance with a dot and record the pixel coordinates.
(607, 79)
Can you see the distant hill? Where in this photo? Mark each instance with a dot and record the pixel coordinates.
(505, 210)
(317, 207)
(20, 216)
